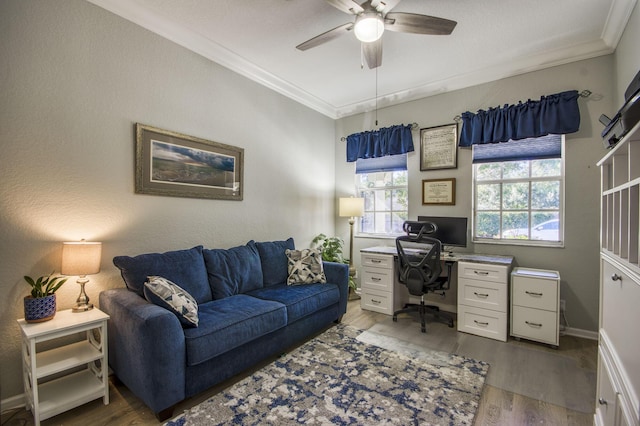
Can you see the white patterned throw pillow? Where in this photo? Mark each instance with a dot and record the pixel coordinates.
(162, 292)
(305, 267)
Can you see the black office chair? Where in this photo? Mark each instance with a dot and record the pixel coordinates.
(419, 268)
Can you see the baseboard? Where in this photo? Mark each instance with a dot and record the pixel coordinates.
(13, 402)
(578, 332)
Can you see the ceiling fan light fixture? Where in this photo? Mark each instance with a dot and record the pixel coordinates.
(369, 27)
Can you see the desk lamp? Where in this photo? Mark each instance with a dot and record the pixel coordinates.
(351, 207)
(81, 259)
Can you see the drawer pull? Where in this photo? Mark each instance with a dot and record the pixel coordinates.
(376, 279)
(484, 324)
(602, 401)
(376, 261)
(481, 272)
(533, 324)
(616, 277)
(531, 293)
(376, 301)
(480, 294)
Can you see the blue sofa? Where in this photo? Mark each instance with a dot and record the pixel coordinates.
(246, 313)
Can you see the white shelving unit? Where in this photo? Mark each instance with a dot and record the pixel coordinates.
(618, 389)
(69, 375)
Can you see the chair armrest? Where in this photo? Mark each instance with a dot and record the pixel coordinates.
(338, 273)
(146, 348)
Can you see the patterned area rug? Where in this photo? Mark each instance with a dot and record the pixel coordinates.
(336, 379)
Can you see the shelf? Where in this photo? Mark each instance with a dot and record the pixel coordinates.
(65, 357)
(60, 395)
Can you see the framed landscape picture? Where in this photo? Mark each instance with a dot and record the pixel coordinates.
(178, 165)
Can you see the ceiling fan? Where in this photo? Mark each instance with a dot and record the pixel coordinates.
(373, 17)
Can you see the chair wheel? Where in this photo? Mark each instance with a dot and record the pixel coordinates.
(395, 318)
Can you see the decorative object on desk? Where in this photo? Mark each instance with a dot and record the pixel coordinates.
(376, 386)
(177, 165)
(351, 207)
(439, 192)
(81, 258)
(439, 147)
(40, 305)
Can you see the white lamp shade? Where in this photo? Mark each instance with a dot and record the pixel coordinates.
(351, 207)
(81, 258)
(369, 27)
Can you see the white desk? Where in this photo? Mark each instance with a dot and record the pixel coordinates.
(482, 282)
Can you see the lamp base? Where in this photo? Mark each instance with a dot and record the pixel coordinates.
(82, 307)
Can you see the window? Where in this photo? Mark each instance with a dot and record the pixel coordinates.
(519, 200)
(382, 182)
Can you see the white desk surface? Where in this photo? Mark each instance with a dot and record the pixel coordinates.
(456, 257)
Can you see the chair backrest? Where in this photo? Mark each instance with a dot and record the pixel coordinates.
(419, 264)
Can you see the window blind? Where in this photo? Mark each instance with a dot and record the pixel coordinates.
(549, 146)
(389, 163)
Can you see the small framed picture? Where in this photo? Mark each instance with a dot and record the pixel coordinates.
(177, 165)
(439, 147)
(439, 192)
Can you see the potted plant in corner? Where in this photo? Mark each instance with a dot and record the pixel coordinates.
(40, 305)
(332, 249)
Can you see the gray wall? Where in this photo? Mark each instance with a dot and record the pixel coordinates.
(578, 260)
(627, 57)
(74, 79)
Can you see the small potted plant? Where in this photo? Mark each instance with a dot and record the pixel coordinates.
(40, 305)
(332, 249)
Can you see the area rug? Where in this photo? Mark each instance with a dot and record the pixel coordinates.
(336, 379)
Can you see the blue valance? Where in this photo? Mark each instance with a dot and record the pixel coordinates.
(380, 143)
(553, 114)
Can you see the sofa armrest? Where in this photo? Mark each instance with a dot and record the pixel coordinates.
(338, 273)
(146, 348)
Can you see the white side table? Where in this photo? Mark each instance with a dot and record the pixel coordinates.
(47, 398)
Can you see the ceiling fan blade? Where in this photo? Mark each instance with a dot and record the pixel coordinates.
(373, 53)
(418, 24)
(326, 36)
(347, 6)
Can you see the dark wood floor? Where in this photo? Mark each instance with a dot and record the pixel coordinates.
(497, 406)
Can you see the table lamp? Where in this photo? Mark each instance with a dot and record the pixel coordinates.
(81, 258)
(351, 207)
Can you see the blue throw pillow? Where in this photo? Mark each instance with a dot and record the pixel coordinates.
(162, 292)
(232, 271)
(274, 261)
(182, 266)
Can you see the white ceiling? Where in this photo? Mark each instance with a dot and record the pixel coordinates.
(493, 39)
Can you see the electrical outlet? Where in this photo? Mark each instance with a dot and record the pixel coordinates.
(563, 305)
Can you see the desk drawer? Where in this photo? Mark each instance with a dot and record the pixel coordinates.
(483, 294)
(535, 293)
(378, 301)
(484, 272)
(535, 324)
(377, 260)
(482, 322)
(377, 279)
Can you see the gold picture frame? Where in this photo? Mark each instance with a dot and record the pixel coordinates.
(440, 192)
(178, 165)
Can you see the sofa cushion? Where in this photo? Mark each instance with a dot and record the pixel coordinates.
(182, 266)
(274, 261)
(162, 292)
(300, 300)
(230, 322)
(304, 267)
(232, 271)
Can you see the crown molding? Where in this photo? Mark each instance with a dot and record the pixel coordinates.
(617, 19)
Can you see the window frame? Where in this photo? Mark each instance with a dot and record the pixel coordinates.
(529, 210)
(359, 191)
